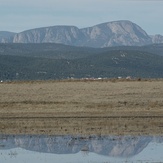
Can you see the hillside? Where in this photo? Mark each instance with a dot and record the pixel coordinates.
(47, 50)
(104, 64)
(60, 51)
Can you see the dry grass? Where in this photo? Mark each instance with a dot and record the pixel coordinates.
(82, 107)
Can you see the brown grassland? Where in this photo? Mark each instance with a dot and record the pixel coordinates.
(82, 107)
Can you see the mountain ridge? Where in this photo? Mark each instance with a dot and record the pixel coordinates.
(108, 34)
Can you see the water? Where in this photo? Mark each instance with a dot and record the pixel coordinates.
(78, 149)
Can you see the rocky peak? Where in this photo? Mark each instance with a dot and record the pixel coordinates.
(116, 33)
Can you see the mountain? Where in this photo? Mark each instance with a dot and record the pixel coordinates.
(68, 35)
(117, 33)
(6, 36)
(157, 39)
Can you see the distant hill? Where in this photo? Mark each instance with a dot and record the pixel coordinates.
(47, 50)
(103, 64)
(117, 33)
(60, 51)
(152, 48)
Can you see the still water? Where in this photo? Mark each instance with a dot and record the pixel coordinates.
(78, 149)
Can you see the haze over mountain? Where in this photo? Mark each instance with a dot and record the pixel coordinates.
(117, 33)
(157, 39)
(6, 36)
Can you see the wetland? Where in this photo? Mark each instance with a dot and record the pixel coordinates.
(81, 121)
(82, 107)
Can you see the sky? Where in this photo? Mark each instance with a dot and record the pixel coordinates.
(20, 15)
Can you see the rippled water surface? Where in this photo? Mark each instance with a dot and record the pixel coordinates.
(79, 149)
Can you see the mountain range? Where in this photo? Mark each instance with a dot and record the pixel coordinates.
(117, 33)
(108, 50)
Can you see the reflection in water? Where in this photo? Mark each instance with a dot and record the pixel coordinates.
(113, 146)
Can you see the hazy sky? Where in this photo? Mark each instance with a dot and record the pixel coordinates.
(20, 15)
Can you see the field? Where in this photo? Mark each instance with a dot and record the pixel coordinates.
(82, 107)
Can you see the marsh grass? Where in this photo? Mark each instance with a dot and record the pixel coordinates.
(82, 107)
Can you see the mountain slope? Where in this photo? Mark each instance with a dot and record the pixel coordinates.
(60, 51)
(47, 50)
(106, 64)
(157, 39)
(58, 34)
(117, 33)
(6, 36)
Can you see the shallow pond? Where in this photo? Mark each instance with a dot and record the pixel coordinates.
(79, 149)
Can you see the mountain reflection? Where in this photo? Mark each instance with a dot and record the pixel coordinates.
(117, 146)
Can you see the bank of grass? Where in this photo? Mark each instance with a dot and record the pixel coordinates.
(82, 107)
